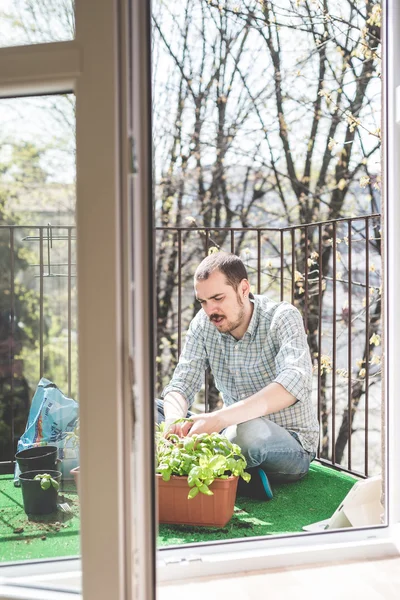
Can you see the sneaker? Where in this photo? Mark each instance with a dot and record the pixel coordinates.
(258, 487)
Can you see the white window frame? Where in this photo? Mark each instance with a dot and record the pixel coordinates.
(95, 67)
(236, 556)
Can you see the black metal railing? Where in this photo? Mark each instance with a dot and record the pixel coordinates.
(331, 271)
(37, 322)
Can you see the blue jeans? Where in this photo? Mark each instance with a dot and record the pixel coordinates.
(267, 445)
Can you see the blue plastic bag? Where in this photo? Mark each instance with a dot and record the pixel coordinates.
(52, 416)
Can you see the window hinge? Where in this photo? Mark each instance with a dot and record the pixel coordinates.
(131, 368)
(133, 158)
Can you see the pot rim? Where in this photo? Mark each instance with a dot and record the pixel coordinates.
(54, 474)
(20, 455)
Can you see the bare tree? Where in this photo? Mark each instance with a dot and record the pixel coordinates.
(265, 114)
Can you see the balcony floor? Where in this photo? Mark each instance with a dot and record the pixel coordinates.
(41, 537)
(294, 505)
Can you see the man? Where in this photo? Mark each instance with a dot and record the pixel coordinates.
(257, 351)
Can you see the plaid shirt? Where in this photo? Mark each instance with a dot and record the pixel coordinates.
(273, 349)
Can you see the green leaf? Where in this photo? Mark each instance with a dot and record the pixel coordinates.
(207, 473)
(46, 481)
(217, 462)
(193, 492)
(203, 462)
(166, 475)
(205, 490)
(188, 444)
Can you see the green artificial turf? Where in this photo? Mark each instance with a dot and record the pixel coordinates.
(37, 537)
(312, 499)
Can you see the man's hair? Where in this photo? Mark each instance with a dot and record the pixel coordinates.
(228, 264)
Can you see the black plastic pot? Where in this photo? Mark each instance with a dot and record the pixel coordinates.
(39, 458)
(36, 500)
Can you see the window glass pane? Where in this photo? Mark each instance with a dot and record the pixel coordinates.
(38, 342)
(36, 21)
(267, 143)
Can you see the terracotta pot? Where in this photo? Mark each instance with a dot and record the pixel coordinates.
(174, 507)
(75, 474)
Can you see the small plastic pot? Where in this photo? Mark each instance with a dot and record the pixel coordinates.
(36, 500)
(38, 458)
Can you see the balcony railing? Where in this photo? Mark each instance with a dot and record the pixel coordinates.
(330, 270)
(37, 322)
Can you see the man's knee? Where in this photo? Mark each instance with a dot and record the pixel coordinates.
(250, 437)
(265, 444)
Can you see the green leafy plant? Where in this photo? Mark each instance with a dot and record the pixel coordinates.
(46, 481)
(202, 458)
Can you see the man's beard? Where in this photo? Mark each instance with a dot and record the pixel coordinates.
(230, 326)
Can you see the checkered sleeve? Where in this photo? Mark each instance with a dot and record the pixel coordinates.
(293, 361)
(188, 376)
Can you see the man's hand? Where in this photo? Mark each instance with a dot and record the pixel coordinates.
(172, 427)
(204, 423)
